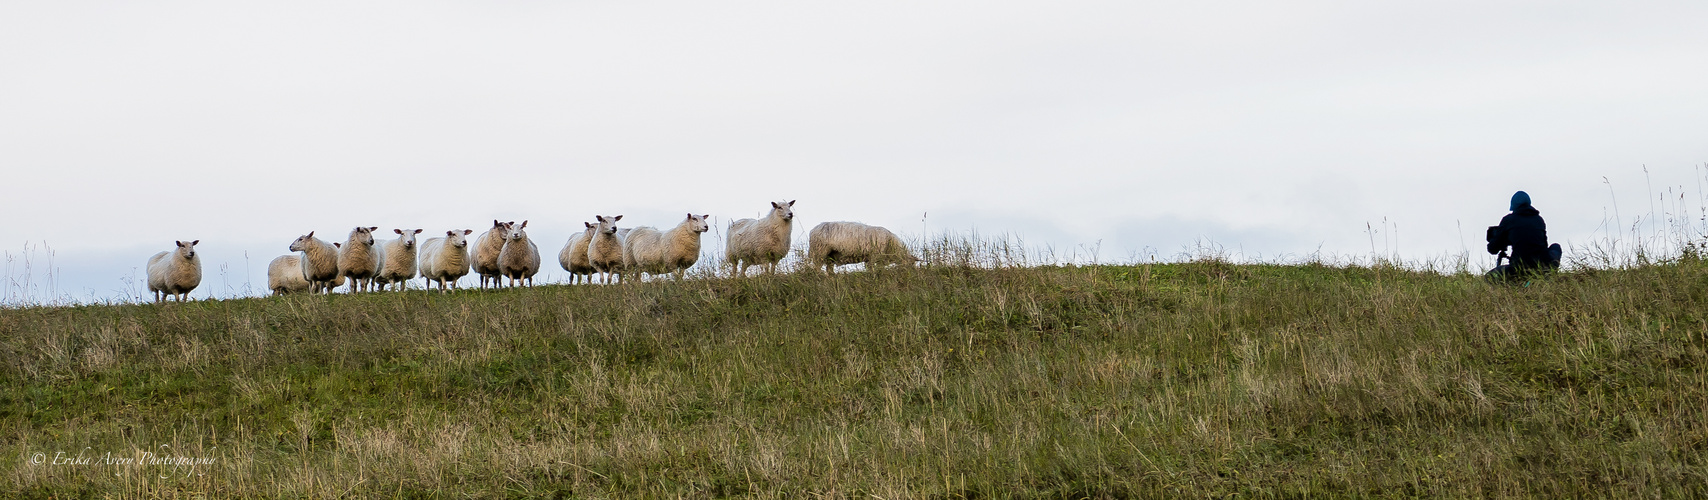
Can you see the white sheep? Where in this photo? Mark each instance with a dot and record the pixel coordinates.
(605, 252)
(445, 259)
(831, 244)
(519, 260)
(319, 262)
(485, 252)
(399, 266)
(573, 258)
(360, 260)
(762, 241)
(648, 250)
(175, 273)
(284, 275)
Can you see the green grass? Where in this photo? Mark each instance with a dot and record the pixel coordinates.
(1196, 379)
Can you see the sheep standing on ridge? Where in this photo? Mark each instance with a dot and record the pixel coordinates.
(175, 273)
(648, 250)
(319, 262)
(445, 260)
(485, 252)
(519, 260)
(573, 258)
(605, 252)
(399, 263)
(360, 260)
(284, 275)
(760, 241)
(831, 244)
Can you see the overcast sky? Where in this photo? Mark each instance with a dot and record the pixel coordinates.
(1271, 128)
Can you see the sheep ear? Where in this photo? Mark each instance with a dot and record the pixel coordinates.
(791, 203)
(450, 233)
(337, 244)
(617, 218)
(690, 215)
(193, 243)
(588, 224)
(524, 223)
(467, 232)
(417, 231)
(310, 234)
(179, 243)
(775, 205)
(373, 228)
(707, 216)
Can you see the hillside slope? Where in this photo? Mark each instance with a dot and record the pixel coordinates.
(1201, 378)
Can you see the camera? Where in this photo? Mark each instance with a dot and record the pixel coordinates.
(1494, 234)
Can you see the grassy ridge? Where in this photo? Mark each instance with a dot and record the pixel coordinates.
(1200, 378)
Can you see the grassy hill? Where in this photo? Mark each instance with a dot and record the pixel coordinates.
(1199, 378)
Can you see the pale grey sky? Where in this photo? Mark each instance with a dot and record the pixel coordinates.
(1272, 128)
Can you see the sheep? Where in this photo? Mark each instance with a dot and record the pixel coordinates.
(399, 266)
(573, 258)
(605, 252)
(284, 275)
(445, 259)
(830, 244)
(648, 250)
(486, 249)
(519, 260)
(319, 262)
(360, 260)
(175, 273)
(760, 241)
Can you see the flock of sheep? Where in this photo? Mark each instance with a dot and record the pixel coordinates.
(505, 252)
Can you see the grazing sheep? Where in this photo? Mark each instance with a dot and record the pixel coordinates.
(831, 244)
(648, 250)
(573, 258)
(175, 273)
(445, 259)
(399, 266)
(760, 241)
(605, 252)
(319, 262)
(519, 260)
(485, 252)
(360, 260)
(284, 275)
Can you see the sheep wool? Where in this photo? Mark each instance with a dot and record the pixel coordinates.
(831, 244)
(319, 262)
(763, 241)
(486, 249)
(648, 250)
(175, 273)
(605, 252)
(445, 260)
(284, 275)
(360, 260)
(573, 258)
(399, 264)
(519, 260)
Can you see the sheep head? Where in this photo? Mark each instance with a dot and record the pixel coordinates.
(783, 210)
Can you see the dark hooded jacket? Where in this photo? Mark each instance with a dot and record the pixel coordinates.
(1525, 232)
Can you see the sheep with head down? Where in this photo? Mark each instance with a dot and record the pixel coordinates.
(650, 251)
(519, 259)
(174, 274)
(763, 241)
(399, 263)
(319, 262)
(445, 260)
(485, 253)
(284, 275)
(831, 244)
(573, 257)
